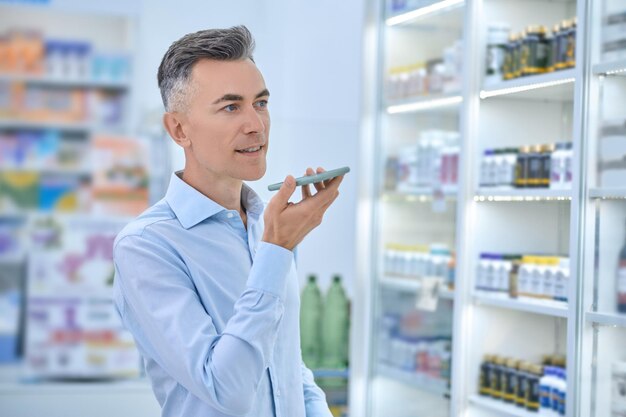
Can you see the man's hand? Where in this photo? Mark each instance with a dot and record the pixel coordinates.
(286, 224)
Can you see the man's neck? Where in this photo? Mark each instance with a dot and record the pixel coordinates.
(226, 193)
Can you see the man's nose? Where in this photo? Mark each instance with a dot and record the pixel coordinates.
(254, 122)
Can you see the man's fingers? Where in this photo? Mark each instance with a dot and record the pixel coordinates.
(285, 191)
(320, 185)
(306, 190)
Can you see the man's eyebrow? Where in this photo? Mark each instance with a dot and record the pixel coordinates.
(265, 92)
(237, 97)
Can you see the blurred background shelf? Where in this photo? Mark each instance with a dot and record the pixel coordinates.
(47, 81)
(617, 68)
(607, 319)
(554, 86)
(542, 307)
(608, 193)
(501, 408)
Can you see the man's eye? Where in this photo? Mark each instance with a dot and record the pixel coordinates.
(231, 108)
(262, 103)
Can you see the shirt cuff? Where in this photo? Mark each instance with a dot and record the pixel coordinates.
(270, 269)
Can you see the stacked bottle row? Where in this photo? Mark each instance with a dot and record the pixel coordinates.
(533, 276)
(423, 353)
(539, 166)
(440, 75)
(436, 260)
(28, 52)
(324, 325)
(538, 388)
(533, 51)
(432, 162)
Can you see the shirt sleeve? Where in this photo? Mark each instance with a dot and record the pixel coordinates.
(314, 398)
(158, 303)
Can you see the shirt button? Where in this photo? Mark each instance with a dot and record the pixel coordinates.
(278, 393)
(230, 215)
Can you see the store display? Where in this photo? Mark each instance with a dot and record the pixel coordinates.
(614, 36)
(537, 388)
(73, 329)
(41, 103)
(538, 166)
(435, 76)
(310, 323)
(432, 163)
(28, 52)
(405, 346)
(417, 261)
(537, 51)
(545, 277)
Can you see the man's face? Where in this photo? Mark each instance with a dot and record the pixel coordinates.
(227, 121)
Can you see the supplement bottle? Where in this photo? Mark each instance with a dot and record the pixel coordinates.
(496, 377)
(508, 69)
(535, 167)
(561, 280)
(525, 276)
(547, 385)
(522, 384)
(562, 45)
(532, 394)
(554, 48)
(570, 54)
(484, 386)
(569, 172)
(507, 173)
(497, 36)
(546, 155)
(521, 167)
(510, 385)
(557, 167)
(551, 267)
(514, 275)
(535, 51)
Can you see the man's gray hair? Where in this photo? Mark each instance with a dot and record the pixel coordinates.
(174, 74)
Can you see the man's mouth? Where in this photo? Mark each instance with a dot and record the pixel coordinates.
(251, 150)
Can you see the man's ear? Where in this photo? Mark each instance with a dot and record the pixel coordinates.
(173, 122)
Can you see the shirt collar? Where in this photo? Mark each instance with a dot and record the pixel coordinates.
(191, 206)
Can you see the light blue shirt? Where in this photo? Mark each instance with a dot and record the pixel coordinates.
(214, 310)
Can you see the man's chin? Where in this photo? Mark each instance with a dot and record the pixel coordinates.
(254, 176)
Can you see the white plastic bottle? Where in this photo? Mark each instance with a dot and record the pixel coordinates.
(557, 167)
(547, 385)
(569, 166)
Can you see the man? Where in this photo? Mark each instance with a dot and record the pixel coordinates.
(205, 280)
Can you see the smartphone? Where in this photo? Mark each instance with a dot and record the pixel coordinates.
(310, 179)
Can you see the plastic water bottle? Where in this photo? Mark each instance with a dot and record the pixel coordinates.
(310, 321)
(335, 328)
